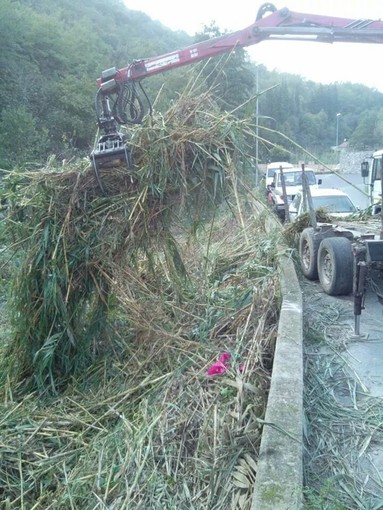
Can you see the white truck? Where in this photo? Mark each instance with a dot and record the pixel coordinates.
(287, 182)
(273, 167)
(374, 181)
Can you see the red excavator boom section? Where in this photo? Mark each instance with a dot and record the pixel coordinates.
(281, 24)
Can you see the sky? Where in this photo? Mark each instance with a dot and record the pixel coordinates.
(320, 62)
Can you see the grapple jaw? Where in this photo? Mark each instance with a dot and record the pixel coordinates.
(111, 151)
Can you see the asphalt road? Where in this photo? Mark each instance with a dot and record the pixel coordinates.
(365, 353)
(362, 356)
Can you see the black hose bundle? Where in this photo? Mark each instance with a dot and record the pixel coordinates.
(125, 104)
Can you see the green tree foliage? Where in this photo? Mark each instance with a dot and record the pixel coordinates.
(378, 130)
(307, 112)
(18, 130)
(363, 136)
(52, 54)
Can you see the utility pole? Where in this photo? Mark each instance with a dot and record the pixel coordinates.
(337, 129)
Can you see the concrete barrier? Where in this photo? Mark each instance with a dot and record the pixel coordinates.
(279, 478)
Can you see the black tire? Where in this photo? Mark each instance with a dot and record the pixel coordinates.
(335, 266)
(308, 253)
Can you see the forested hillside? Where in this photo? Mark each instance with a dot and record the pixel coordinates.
(52, 53)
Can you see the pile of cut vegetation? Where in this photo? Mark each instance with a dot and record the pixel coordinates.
(143, 322)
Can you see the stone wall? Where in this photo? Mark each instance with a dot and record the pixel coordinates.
(349, 162)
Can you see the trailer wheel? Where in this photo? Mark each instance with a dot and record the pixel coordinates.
(335, 266)
(308, 252)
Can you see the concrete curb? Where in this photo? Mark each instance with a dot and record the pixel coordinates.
(279, 479)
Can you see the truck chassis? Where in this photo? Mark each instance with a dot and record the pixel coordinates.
(343, 260)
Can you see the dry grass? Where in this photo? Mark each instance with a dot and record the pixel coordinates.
(144, 425)
(293, 230)
(344, 423)
(75, 241)
(121, 303)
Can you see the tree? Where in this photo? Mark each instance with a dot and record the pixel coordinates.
(21, 140)
(365, 135)
(378, 130)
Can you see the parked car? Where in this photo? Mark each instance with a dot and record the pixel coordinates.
(334, 201)
(272, 167)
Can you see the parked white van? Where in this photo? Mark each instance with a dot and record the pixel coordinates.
(293, 183)
(272, 167)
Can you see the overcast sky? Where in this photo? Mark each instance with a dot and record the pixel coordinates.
(320, 62)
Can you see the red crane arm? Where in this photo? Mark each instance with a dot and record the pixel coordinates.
(281, 24)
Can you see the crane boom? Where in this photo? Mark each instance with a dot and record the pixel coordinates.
(281, 24)
(118, 87)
